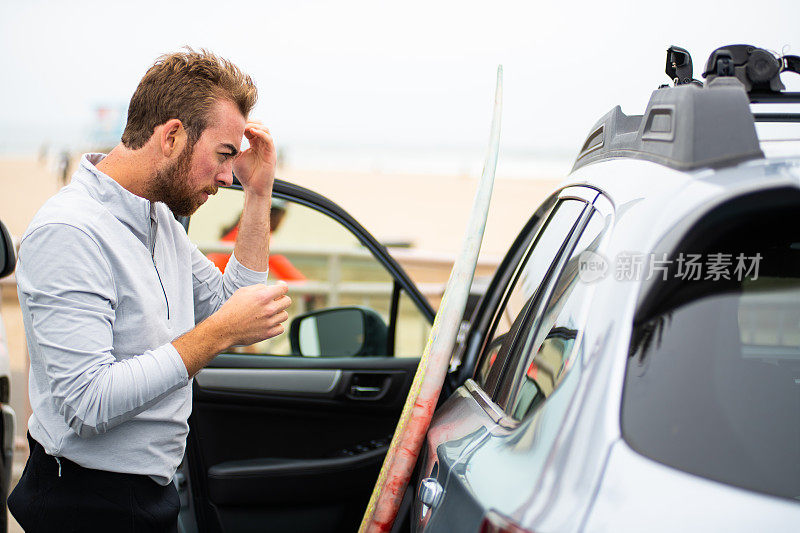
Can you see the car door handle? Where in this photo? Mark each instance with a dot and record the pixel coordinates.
(369, 386)
(362, 390)
(430, 492)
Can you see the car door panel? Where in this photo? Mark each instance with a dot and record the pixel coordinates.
(265, 482)
(463, 423)
(318, 448)
(309, 382)
(270, 381)
(290, 443)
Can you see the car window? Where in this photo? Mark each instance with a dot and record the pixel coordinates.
(324, 265)
(523, 289)
(412, 328)
(712, 383)
(737, 419)
(547, 343)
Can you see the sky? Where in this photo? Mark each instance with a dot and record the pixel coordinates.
(409, 76)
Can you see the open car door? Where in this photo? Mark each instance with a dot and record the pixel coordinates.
(289, 434)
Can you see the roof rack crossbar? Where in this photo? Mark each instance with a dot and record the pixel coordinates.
(777, 117)
(775, 98)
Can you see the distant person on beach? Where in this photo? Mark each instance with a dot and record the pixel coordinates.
(63, 167)
(121, 310)
(43, 150)
(279, 265)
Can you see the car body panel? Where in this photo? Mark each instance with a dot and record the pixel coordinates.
(670, 500)
(459, 423)
(586, 459)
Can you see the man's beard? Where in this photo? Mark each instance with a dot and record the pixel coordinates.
(171, 185)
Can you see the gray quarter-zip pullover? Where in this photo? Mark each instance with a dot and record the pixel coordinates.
(106, 281)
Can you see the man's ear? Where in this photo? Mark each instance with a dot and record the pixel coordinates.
(172, 137)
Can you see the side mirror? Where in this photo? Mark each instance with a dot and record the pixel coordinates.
(7, 256)
(339, 332)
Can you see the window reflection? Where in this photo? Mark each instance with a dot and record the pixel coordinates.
(551, 342)
(528, 278)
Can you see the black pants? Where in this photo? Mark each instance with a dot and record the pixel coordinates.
(83, 499)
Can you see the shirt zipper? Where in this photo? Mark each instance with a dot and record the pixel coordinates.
(154, 232)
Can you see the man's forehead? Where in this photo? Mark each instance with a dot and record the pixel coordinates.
(226, 127)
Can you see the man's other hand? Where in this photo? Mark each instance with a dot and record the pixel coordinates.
(252, 314)
(255, 313)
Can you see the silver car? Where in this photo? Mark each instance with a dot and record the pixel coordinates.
(635, 363)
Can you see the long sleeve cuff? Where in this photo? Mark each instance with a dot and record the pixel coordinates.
(180, 367)
(243, 276)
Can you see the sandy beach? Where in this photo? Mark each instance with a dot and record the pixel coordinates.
(428, 211)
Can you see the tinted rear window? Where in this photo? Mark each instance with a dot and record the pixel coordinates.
(713, 378)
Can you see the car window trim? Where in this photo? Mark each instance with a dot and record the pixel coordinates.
(492, 379)
(507, 389)
(470, 351)
(579, 192)
(496, 374)
(489, 407)
(394, 308)
(496, 292)
(603, 213)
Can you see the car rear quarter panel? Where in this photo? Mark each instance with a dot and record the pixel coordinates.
(638, 494)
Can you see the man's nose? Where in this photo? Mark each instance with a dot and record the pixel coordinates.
(225, 178)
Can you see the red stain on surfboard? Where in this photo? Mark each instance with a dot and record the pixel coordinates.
(406, 452)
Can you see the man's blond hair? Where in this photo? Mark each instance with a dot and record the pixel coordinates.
(185, 85)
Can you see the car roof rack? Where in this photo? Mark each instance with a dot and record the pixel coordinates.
(691, 126)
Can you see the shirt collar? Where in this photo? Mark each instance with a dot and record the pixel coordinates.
(132, 210)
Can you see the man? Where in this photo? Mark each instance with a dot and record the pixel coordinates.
(121, 310)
